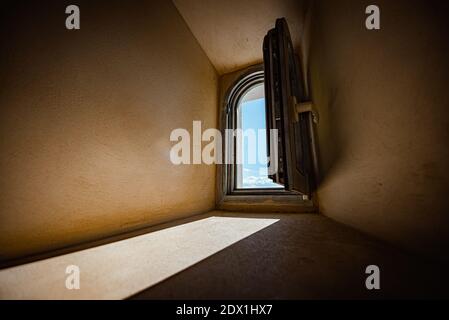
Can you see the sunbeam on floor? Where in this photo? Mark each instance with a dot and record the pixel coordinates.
(121, 269)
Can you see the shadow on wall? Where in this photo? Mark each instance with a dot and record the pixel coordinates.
(384, 118)
(325, 99)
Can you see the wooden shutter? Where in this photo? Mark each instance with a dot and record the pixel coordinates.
(282, 91)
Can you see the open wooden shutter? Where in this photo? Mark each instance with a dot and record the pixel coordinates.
(282, 91)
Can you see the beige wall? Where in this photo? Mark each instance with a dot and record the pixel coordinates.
(85, 120)
(384, 131)
(231, 32)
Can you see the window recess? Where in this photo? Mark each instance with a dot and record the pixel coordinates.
(269, 96)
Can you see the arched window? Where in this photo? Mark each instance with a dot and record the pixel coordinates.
(247, 117)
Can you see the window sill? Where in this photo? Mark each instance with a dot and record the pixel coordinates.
(267, 203)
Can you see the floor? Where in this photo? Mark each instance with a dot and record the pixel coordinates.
(304, 256)
(118, 269)
(223, 255)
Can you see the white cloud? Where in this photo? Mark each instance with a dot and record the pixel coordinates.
(258, 182)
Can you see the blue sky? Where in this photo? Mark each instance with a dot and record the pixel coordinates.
(253, 117)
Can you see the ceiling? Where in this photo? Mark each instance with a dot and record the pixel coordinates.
(231, 32)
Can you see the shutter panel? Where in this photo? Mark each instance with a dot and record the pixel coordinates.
(282, 91)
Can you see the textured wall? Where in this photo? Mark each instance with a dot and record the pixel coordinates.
(384, 130)
(85, 120)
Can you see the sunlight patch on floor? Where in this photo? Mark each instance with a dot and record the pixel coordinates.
(123, 268)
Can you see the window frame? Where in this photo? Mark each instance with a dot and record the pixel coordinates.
(248, 79)
(250, 200)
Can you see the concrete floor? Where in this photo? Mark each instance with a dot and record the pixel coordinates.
(303, 256)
